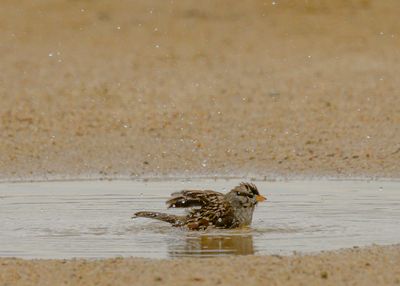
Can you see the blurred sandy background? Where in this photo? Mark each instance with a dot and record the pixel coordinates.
(133, 88)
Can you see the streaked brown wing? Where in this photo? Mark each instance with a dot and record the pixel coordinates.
(217, 212)
(194, 198)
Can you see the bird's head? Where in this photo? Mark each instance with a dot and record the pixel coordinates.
(245, 195)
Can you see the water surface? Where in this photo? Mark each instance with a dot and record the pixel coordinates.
(92, 219)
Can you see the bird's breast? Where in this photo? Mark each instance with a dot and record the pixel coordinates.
(244, 215)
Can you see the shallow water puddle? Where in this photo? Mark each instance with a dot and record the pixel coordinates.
(92, 219)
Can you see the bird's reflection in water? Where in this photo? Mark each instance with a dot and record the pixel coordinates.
(206, 245)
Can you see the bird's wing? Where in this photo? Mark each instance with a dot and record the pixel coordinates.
(194, 198)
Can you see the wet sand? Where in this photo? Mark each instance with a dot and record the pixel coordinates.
(371, 266)
(133, 89)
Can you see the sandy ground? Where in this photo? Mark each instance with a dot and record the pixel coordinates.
(138, 88)
(372, 266)
(94, 88)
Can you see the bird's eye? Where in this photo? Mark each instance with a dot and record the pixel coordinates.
(250, 195)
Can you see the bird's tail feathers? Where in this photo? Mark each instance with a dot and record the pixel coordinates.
(172, 219)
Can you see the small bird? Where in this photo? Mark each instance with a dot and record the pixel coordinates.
(210, 208)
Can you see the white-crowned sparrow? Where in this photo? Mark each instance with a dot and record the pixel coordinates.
(210, 208)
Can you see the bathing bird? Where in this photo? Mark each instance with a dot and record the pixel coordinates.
(208, 208)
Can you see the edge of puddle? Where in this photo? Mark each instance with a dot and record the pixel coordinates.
(249, 177)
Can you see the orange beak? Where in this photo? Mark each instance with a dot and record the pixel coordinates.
(260, 198)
